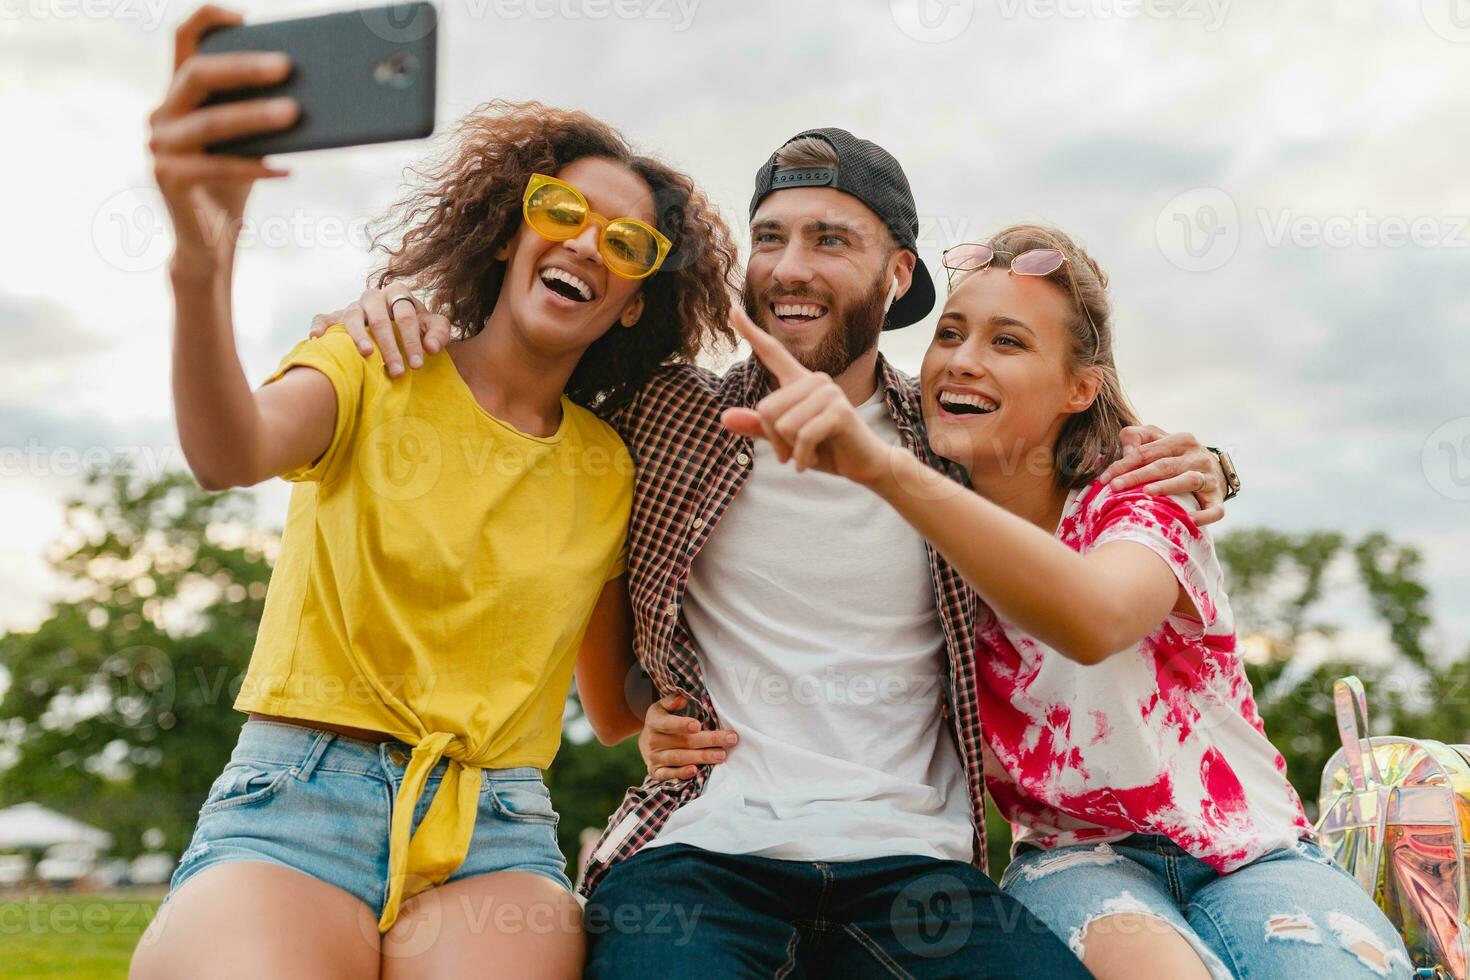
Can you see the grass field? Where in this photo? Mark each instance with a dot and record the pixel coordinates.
(77, 937)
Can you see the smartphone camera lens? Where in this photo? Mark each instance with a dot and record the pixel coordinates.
(396, 70)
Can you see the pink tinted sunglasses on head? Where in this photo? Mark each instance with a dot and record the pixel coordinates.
(972, 256)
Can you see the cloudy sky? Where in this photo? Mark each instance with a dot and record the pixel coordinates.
(1278, 189)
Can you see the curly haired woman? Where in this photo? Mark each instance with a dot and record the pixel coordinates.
(454, 544)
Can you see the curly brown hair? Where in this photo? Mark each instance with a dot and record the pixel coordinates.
(442, 239)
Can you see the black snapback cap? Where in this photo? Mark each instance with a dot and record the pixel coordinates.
(871, 174)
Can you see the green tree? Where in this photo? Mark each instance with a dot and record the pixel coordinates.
(1278, 585)
(118, 709)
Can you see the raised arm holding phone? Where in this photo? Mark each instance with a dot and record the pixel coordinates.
(229, 435)
(454, 548)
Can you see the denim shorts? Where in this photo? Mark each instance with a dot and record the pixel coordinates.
(321, 803)
(1292, 913)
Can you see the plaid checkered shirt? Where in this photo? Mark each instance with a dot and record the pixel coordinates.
(689, 469)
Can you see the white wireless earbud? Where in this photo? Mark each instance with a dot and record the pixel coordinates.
(892, 294)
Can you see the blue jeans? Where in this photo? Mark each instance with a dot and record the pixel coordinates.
(321, 803)
(677, 912)
(1292, 913)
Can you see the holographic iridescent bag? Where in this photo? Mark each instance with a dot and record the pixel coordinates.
(1395, 812)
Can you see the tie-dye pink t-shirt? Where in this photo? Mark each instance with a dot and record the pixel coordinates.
(1163, 738)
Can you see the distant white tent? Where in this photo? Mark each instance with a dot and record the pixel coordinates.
(31, 826)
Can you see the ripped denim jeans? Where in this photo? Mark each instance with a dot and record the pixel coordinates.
(1292, 913)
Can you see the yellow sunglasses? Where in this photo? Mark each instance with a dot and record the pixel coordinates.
(557, 211)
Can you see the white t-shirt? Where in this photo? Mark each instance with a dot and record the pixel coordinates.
(812, 608)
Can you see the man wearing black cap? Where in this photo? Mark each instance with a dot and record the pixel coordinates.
(855, 168)
(845, 833)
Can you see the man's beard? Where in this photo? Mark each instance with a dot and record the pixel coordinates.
(854, 333)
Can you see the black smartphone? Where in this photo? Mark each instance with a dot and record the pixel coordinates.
(360, 76)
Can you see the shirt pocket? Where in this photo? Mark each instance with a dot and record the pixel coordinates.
(245, 784)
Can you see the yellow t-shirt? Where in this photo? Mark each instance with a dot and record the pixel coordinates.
(436, 575)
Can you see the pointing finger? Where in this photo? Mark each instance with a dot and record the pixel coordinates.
(768, 349)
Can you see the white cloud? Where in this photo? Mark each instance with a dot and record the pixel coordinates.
(1324, 367)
